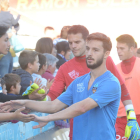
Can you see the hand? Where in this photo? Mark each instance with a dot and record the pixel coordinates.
(36, 96)
(18, 115)
(12, 105)
(49, 83)
(132, 130)
(42, 121)
(38, 82)
(26, 110)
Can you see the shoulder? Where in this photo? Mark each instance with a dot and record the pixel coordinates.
(110, 82)
(119, 64)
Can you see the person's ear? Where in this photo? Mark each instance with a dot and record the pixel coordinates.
(12, 88)
(29, 65)
(63, 53)
(107, 53)
(44, 67)
(49, 67)
(132, 49)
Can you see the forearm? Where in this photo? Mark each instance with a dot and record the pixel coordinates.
(40, 106)
(67, 113)
(6, 116)
(127, 102)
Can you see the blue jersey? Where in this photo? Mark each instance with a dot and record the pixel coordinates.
(97, 123)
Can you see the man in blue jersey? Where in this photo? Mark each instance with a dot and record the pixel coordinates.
(93, 99)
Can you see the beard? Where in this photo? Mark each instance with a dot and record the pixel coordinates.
(95, 65)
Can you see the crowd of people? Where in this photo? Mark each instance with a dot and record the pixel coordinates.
(79, 79)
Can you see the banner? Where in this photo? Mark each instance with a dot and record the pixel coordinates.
(47, 5)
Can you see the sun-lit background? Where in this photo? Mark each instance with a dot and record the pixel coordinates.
(112, 17)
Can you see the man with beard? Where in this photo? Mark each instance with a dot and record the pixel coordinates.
(93, 98)
(77, 67)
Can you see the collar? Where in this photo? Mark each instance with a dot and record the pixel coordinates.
(130, 60)
(48, 71)
(36, 75)
(81, 58)
(61, 55)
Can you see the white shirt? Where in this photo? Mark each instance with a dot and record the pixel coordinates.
(43, 80)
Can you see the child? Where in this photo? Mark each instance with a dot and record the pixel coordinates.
(29, 63)
(42, 69)
(12, 83)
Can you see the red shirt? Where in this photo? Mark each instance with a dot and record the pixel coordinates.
(48, 75)
(77, 67)
(127, 65)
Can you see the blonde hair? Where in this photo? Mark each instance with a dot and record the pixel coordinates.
(3, 5)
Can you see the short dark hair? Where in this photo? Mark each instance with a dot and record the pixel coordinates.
(107, 44)
(27, 57)
(42, 60)
(138, 50)
(10, 80)
(62, 46)
(3, 30)
(44, 45)
(48, 28)
(75, 29)
(126, 38)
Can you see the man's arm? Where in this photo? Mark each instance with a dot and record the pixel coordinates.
(40, 106)
(70, 112)
(127, 102)
(74, 110)
(45, 106)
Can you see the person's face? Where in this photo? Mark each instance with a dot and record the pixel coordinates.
(17, 89)
(77, 44)
(4, 44)
(67, 55)
(52, 68)
(4, 91)
(94, 54)
(124, 52)
(35, 65)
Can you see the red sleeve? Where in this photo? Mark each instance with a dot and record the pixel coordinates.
(58, 85)
(113, 69)
(125, 94)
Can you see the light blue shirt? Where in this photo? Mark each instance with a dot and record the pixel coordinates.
(97, 123)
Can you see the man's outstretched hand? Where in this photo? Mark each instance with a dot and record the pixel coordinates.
(42, 121)
(12, 105)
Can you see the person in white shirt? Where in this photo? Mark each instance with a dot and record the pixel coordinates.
(42, 69)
